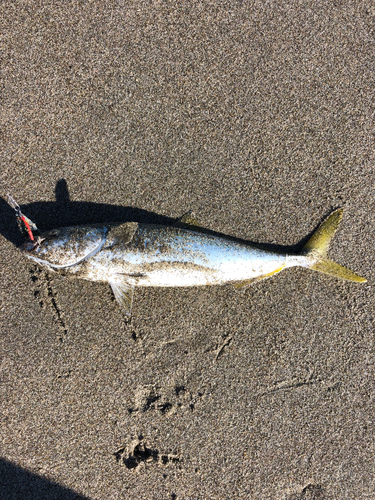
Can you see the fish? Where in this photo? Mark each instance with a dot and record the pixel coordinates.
(131, 254)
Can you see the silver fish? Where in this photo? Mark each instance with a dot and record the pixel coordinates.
(133, 254)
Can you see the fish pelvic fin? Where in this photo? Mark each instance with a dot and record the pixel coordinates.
(123, 292)
(317, 249)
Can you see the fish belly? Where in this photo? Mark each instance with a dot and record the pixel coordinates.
(186, 274)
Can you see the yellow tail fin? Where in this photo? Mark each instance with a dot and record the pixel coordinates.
(318, 245)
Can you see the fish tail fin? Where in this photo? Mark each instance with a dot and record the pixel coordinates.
(317, 249)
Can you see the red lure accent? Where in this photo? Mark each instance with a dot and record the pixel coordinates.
(20, 217)
(27, 226)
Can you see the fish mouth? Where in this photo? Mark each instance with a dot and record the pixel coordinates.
(29, 246)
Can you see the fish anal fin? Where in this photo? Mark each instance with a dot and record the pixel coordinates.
(123, 291)
(242, 284)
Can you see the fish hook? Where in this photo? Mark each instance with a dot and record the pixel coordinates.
(24, 223)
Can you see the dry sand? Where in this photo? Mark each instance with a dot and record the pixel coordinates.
(259, 117)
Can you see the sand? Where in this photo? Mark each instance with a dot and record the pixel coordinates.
(259, 117)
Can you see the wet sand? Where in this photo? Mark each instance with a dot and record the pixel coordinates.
(259, 118)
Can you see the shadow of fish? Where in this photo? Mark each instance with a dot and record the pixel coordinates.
(132, 254)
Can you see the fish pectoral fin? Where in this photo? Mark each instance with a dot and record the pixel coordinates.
(123, 232)
(123, 290)
(242, 284)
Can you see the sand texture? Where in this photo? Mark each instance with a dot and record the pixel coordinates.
(259, 117)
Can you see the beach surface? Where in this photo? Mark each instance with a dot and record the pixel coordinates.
(259, 118)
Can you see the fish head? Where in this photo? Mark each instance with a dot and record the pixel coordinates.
(65, 247)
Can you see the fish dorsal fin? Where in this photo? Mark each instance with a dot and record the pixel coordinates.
(123, 290)
(122, 233)
(188, 219)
